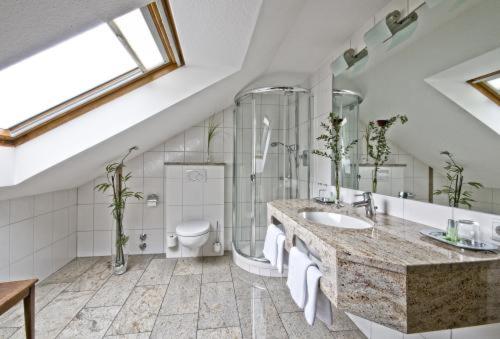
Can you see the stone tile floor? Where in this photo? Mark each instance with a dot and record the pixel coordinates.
(167, 298)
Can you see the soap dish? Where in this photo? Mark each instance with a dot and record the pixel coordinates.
(462, 243)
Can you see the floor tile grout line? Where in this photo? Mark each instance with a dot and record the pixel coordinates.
(95, 292)
(163, 299)
(84, 306)
(199, 302)
(236, 302)
(274, 304)
(131, 291)
(36, 312)
(62, 291)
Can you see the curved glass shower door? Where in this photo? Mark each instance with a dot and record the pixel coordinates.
(271, 159)
(346, 104)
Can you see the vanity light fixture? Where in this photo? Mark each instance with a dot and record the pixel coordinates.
(392, 25)
(348, 59)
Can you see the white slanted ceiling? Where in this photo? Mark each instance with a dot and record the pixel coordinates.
(227, 45)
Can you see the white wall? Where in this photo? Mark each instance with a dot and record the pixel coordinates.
(95, 222)
(37, 234)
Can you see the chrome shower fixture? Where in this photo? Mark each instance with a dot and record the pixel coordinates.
(289, 148)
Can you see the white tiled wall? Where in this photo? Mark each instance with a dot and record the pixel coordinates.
(37, 234)
(194, 197)
(95, 222)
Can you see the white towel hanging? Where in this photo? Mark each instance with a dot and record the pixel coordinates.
(317, 303)
(280, 243)
(270, 250)
(298, 263)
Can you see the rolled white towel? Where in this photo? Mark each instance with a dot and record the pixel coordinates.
(270, 250)
(298, 263)
(317, 303)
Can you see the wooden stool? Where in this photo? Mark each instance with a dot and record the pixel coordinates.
(12, 292)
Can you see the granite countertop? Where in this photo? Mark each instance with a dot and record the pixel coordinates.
(393, 275)
(393, 244)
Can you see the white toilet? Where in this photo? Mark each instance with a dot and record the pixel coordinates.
(193, 234)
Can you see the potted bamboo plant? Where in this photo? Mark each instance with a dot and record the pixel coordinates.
(457, 195)
(378, 148)
(116, 182)
(332, 140)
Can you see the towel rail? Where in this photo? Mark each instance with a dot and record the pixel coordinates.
(302, 246)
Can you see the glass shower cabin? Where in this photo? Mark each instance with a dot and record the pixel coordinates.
(346, 104)
(272, 134)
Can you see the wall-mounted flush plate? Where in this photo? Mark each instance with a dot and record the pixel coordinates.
(495, 230)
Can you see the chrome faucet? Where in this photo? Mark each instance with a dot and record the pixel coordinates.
(367, 203)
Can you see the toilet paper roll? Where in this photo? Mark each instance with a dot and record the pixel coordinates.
(171, 241)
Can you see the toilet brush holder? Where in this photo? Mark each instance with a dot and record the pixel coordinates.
(217, 245)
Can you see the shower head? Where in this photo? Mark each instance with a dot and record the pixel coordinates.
(290, 148)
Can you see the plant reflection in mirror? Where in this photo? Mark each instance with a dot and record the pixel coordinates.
(212, 131)
(454, 190)
(332, 140)
(117, 182)
(378, 148)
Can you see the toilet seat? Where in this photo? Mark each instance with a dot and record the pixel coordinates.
(193, 228)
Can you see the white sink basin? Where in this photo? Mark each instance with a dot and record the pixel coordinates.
(336, 220)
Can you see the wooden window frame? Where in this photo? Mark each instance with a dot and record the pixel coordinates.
(484, 88)
(9, 137)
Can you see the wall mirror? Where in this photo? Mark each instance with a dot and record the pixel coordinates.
(442, 73)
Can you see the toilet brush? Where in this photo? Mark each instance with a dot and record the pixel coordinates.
(217, 245)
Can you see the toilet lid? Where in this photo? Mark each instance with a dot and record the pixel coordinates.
(192, 228)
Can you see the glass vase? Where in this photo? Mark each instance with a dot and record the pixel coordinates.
(209, 153)
(119, 256)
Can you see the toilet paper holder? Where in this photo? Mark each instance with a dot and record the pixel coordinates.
(172, 241)
(152, 200)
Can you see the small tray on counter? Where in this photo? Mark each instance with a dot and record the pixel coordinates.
(440, 235)
(324, 200)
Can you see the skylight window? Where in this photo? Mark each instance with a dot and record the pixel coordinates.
(495, 84)
(66, 78)
(61, 73)
(135, 29)
(489, 85)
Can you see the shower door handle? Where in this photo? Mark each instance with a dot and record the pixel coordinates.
(252, 177)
